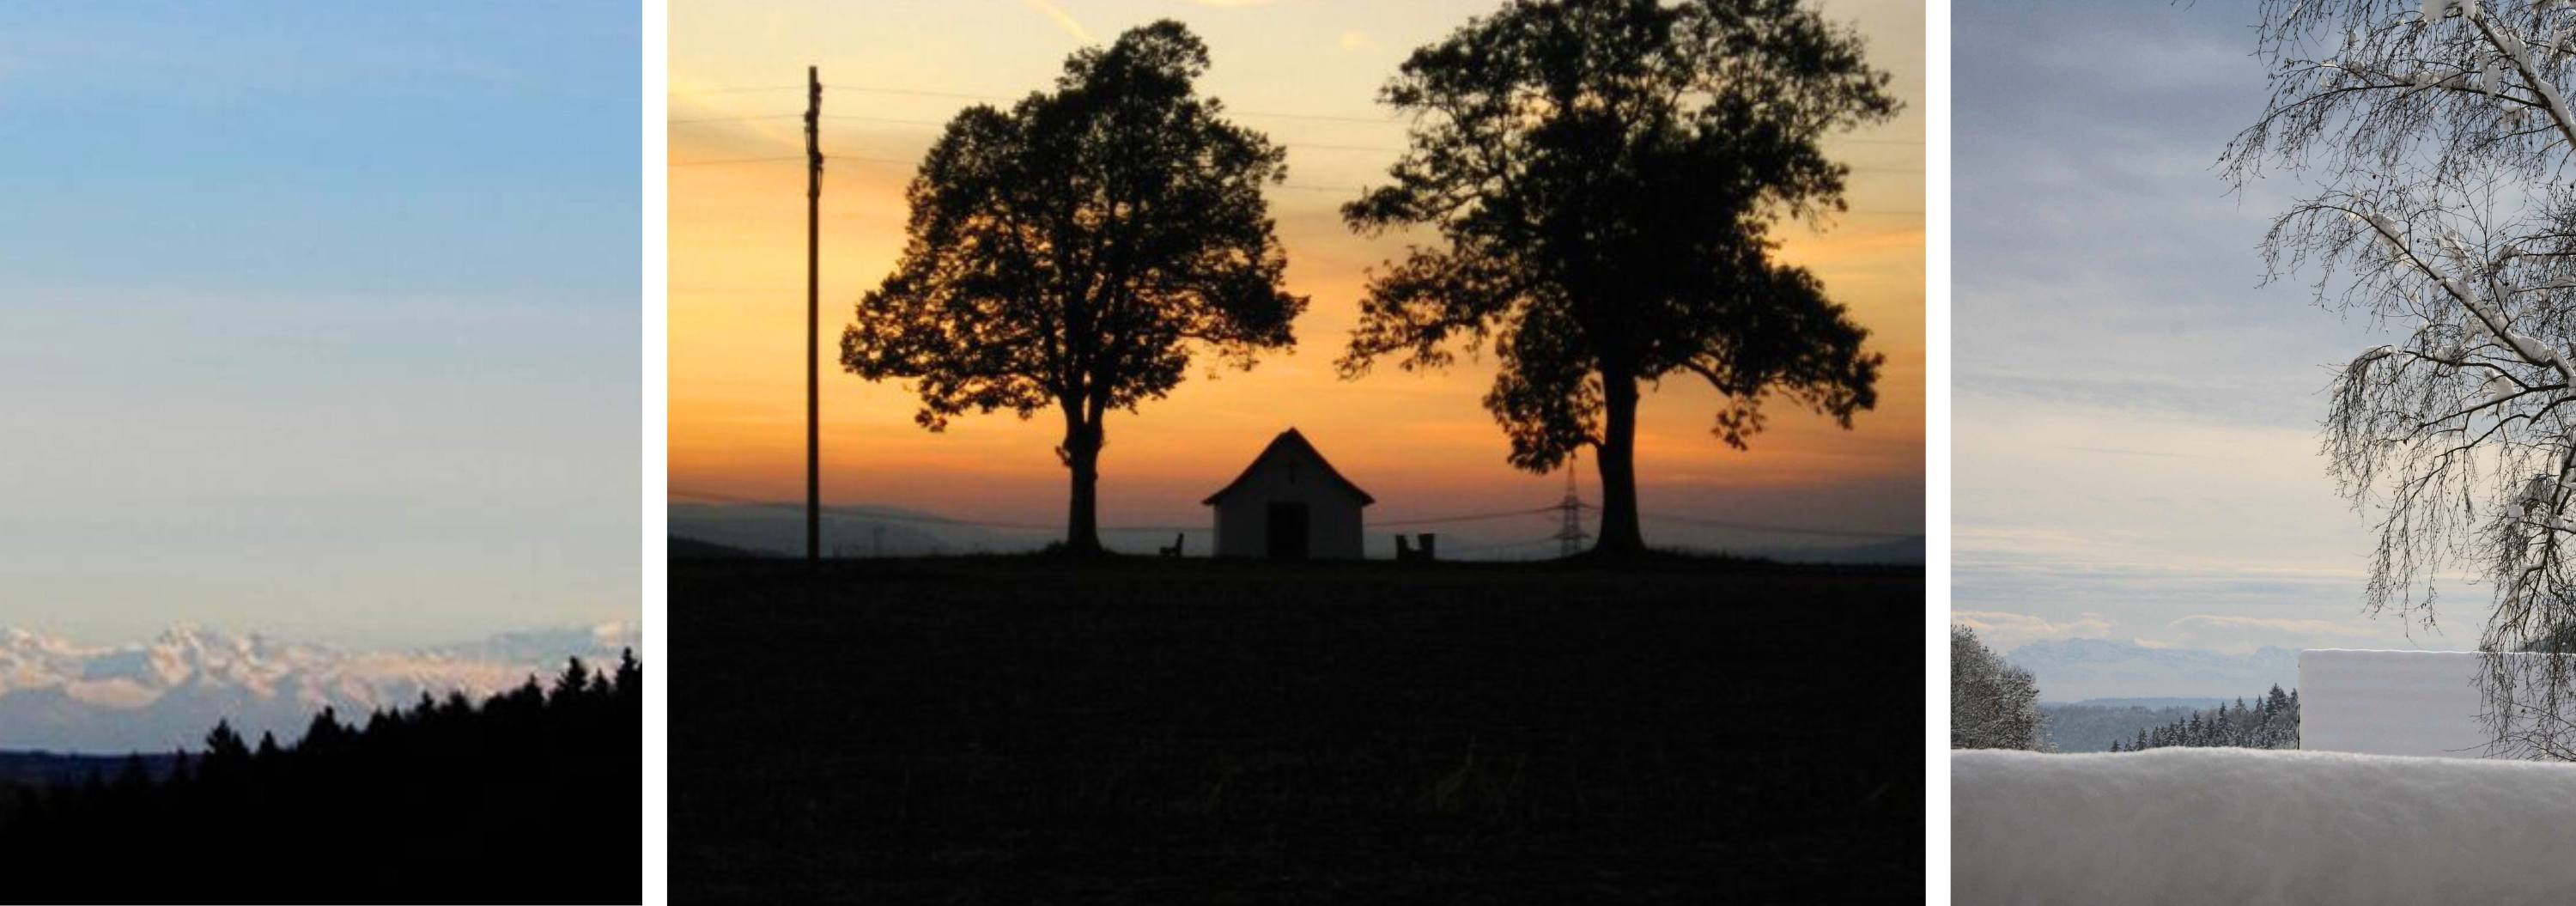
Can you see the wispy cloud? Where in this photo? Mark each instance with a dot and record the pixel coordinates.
(2232, 633)
(2003, 630)
(1063, 20)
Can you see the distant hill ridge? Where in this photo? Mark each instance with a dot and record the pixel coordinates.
(709, 530)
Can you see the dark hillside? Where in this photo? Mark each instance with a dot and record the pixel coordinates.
(1023, 729)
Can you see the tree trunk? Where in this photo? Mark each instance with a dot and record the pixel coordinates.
(1082, 455)
(1618, 459)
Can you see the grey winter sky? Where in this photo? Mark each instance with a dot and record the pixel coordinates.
(2134, 428)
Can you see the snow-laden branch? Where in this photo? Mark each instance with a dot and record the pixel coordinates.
(2514, 50)
(2486, 323)
(2460, 439)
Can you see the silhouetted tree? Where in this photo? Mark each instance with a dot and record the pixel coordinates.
(573, 683)
(630, 674)
(226, 754)
(1605, 175)
(1072, 251)
(324, 734)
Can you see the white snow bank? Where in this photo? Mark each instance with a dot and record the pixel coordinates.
(2254, 826)
(2394, 703)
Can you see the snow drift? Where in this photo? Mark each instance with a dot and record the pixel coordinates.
(2258, 826)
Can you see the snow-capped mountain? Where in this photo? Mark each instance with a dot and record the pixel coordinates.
(2077, 669)
(166, 693)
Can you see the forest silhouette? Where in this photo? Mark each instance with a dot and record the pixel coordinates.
(531, 795)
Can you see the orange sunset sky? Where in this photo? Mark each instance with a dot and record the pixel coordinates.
(1305, 72)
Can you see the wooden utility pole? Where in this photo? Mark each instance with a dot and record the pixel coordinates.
(813, 293)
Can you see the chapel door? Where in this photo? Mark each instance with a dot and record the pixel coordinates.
(1287, 531)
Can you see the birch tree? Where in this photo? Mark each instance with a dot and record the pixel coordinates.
(2432, 140)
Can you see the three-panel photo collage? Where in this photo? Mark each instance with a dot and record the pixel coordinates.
(1288, 452)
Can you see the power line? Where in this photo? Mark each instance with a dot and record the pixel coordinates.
(1318, 117)
(1783, 529)
(1310, 146)
(921, 93)
(1302, 187)
(734, 119)
(763, 160)
(744, 160)
(850, 512)
(1473, 517)
(1500, 545)
(887, 119)
(994, 97)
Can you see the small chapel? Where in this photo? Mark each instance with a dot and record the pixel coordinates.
(1289, 504)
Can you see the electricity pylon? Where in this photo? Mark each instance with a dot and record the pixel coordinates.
(1569, 539)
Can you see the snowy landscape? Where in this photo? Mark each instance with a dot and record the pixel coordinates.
(165, 694)
(2384, 782)
(2225, 825)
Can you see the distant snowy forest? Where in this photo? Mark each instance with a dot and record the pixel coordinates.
(2271, 723)
(1995, 705)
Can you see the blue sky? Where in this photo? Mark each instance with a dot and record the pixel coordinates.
(319, 319)
(2134, 427)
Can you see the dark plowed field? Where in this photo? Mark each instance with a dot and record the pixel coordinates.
(1022, 730)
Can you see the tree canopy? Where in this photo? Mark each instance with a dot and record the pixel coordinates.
(1076, 250)
(1604, 177)
(2436, 140)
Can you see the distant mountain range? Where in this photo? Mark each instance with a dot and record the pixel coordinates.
(165, 694)
(781, 530)
(850, 531)
(2078, 669)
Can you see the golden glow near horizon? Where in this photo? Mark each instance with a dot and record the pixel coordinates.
(1306, 73)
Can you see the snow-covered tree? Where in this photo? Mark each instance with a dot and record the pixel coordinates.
(2433, 141)
(1993, 705)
